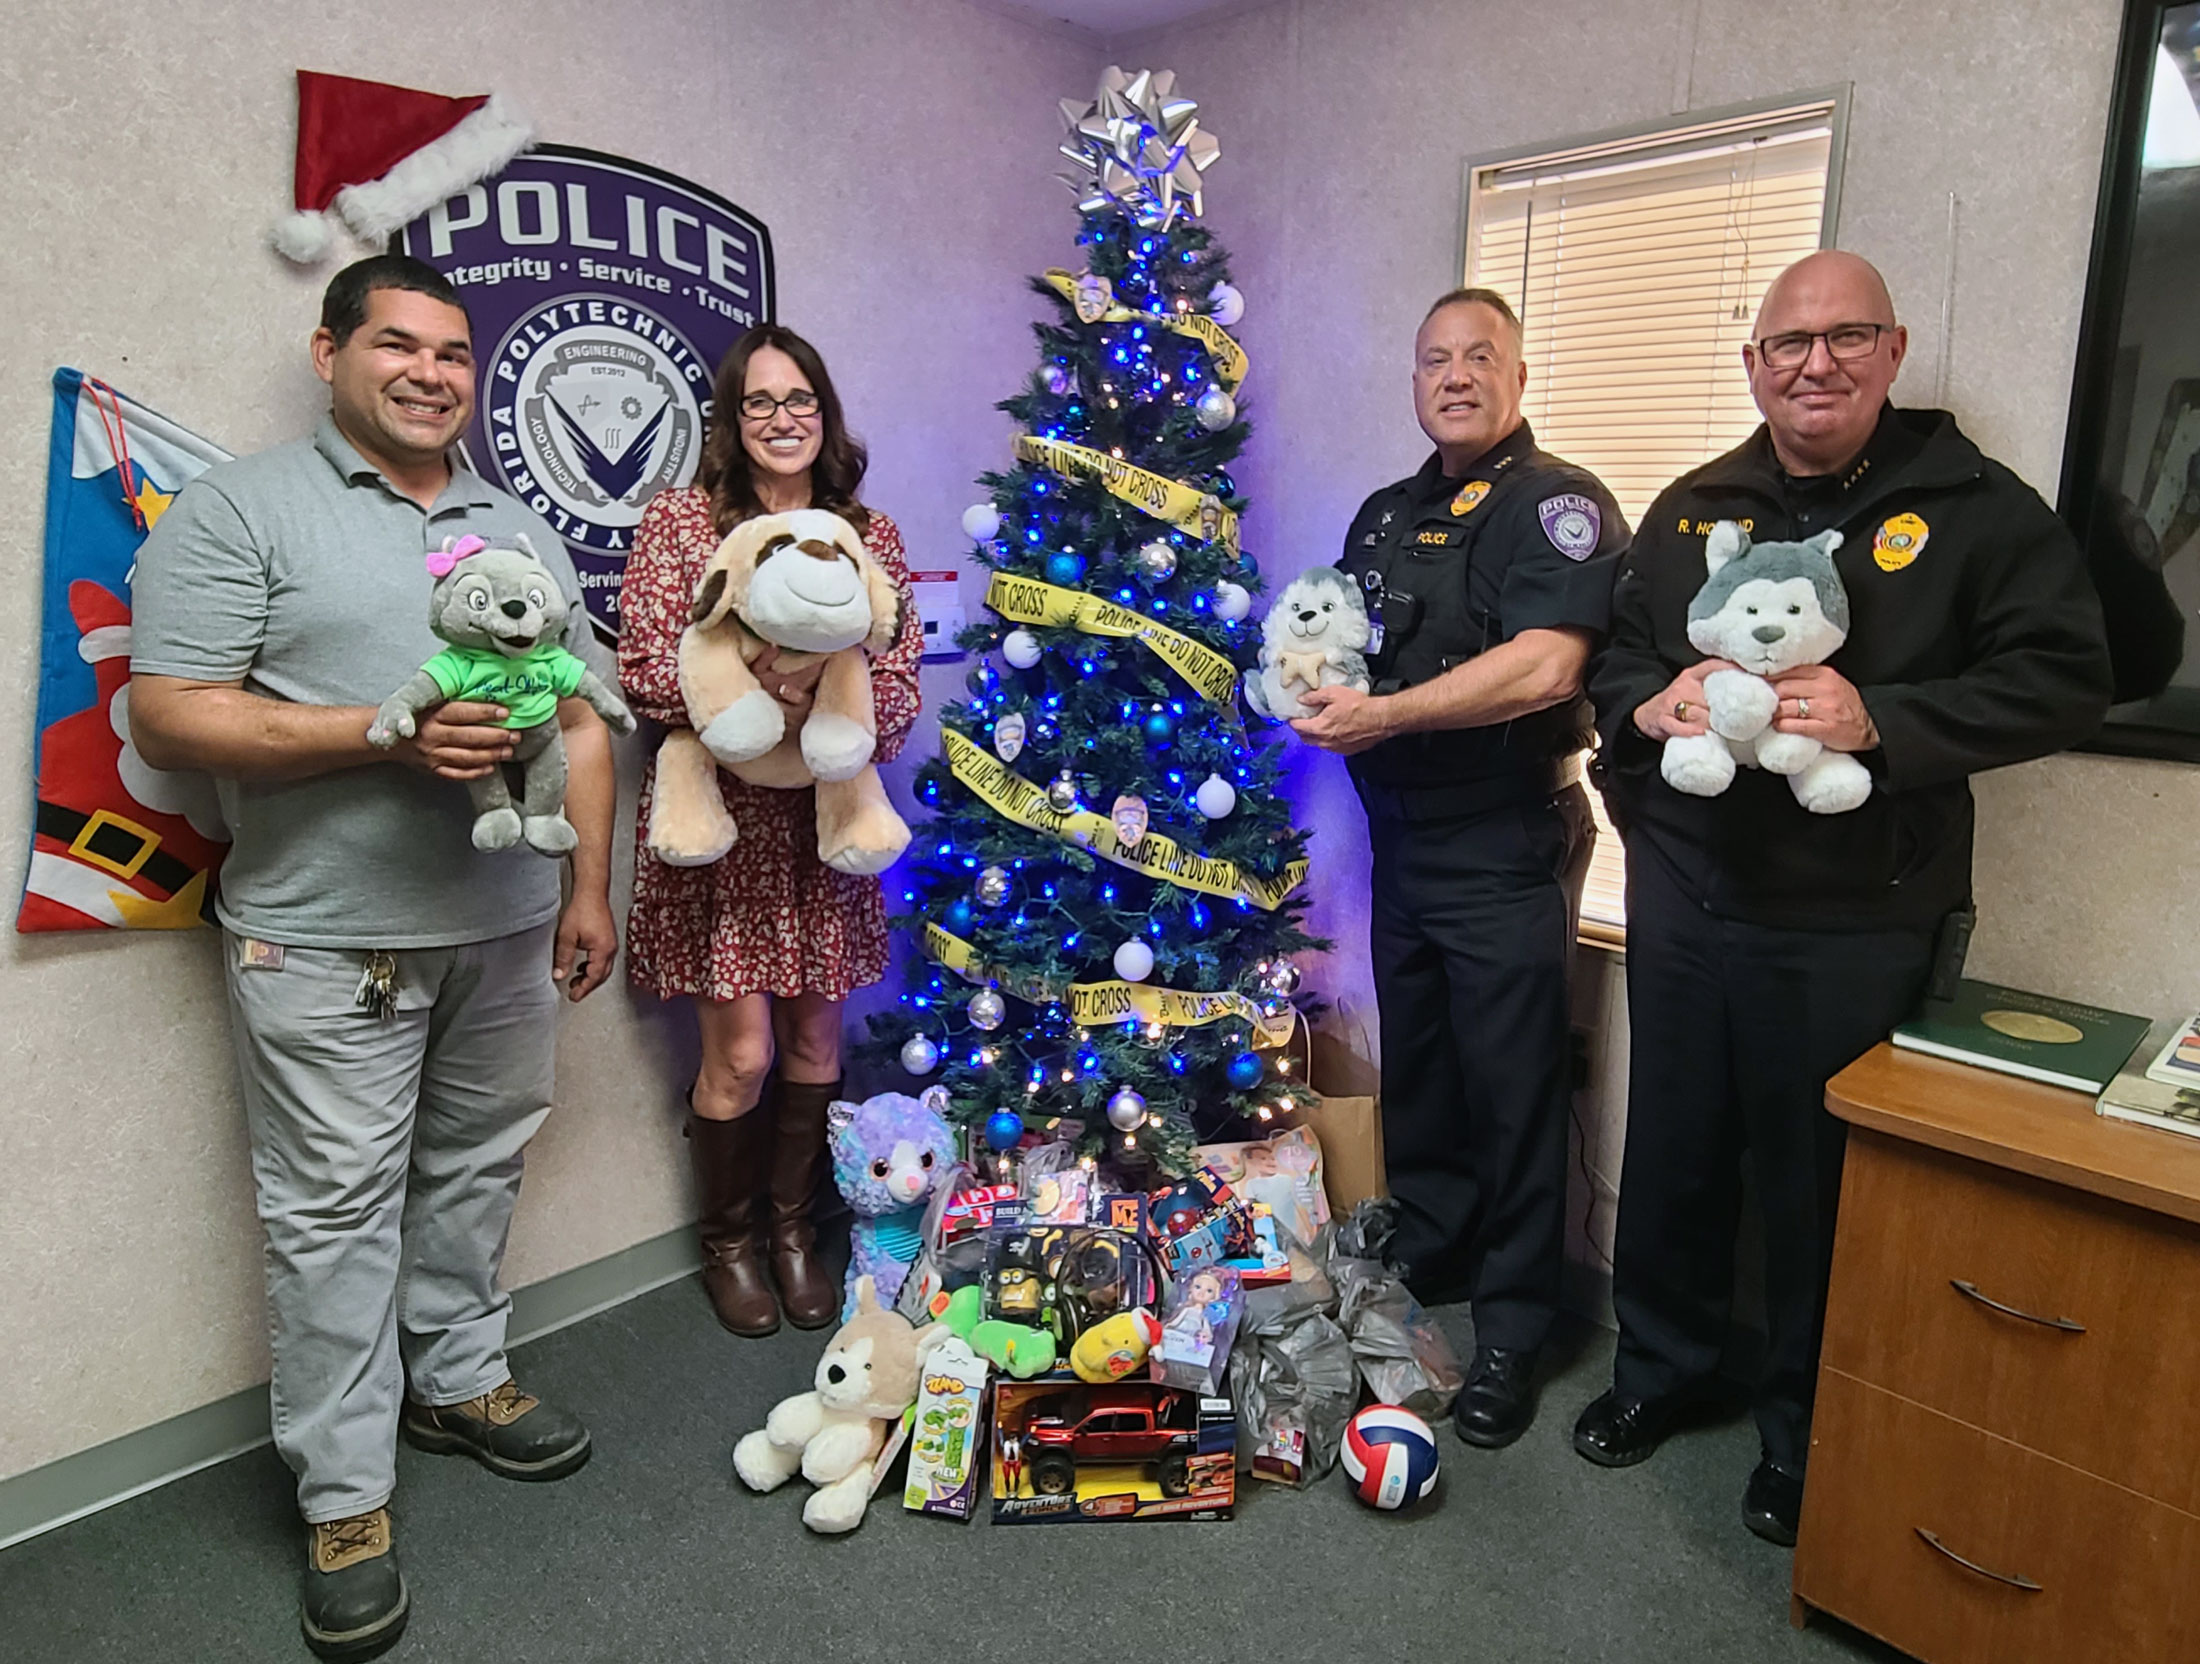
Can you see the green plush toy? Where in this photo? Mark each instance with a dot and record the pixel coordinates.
(1016, 1349)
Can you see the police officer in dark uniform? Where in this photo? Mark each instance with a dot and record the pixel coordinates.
(1767, 947)
(1489, 576)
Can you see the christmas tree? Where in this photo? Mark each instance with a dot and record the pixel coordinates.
(1107, 898)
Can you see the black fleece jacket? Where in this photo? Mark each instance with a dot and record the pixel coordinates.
(1975, 639)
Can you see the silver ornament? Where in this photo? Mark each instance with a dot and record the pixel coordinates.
(992, 887)
(1062, 794)
(919, 1055)
(987, 1009)
(1283, 978)
(1059, 381)
(1157, 562)
(1126, 1110)
(1216, 410)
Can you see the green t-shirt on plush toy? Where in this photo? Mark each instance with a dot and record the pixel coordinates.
(528, 687)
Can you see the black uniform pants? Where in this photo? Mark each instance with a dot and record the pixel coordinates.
(1472, 939)
(1736, 1029)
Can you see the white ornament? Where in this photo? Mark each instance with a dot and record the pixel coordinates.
(1225, 305)
(1020, 648)
(1126, 1111)
(987, 1009)
(919, 1055)
(1215, 409)
(992, 886)
(1157, 561)
(982, 521)
(1134, 961)
(1215, 798)
(1232, 601)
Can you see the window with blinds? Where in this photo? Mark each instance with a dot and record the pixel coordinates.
(1637, 265)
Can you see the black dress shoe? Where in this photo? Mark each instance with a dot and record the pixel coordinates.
(1616, 1432)
(1773, 1504)
(507, 1431)
(1498, 1401)
(353, 1604)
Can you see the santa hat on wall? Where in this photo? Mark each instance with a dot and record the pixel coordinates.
(373, 158)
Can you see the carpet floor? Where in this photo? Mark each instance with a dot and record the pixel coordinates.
(654, 1552)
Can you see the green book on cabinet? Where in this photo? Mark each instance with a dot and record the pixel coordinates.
(2036, 1036)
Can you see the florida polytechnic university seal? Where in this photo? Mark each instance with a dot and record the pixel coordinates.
(603, 294)
(1573, 523)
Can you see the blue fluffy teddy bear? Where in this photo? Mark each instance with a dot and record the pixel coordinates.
(890, 1153)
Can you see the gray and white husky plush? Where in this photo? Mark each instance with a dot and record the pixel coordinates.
(1768, 608)
(1313, 637)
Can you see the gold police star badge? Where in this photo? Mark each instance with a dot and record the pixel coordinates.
(1899, 540)
(1470, 496)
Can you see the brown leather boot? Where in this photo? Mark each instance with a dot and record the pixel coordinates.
(806, 1288)
(732, 1167)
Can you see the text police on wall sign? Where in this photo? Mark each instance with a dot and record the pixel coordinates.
(603, 293)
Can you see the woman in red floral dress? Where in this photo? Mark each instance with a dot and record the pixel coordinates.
(767, 941)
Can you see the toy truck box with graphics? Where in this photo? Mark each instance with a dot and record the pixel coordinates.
(1064, 1451)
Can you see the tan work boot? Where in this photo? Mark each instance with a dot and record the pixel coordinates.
(507, 1431)
(354, 1602)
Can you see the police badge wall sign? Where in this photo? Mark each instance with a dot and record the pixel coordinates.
(603, 294)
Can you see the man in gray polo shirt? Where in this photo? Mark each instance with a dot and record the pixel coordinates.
(393, 989)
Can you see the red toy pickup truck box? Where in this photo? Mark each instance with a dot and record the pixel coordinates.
(1064, 1451)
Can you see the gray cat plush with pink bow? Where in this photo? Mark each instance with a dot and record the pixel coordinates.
(504, 616)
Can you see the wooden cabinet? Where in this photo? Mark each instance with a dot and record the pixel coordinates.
(2005, 1455)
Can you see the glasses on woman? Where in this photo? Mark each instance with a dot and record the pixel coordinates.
(1790, 350)
(801, 404)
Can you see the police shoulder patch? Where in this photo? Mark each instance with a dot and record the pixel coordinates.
(1573, 523)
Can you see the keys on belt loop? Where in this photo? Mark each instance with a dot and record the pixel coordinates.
(378, 985)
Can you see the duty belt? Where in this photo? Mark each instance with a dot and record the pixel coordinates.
(1470, 797)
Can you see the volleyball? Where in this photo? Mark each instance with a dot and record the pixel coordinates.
(1390, 1456)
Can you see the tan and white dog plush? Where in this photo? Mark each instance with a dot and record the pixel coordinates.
(805, 584)
(832, 1435)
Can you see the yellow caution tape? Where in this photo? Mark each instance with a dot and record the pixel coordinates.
(1095, 1004)
(1028, 601)
(1180, 505)
(1014, 798)
(1229, 358)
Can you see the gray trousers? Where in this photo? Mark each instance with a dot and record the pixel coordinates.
(386, 1159)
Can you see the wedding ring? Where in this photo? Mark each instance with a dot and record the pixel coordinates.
(1802, 708)
(1680, 711)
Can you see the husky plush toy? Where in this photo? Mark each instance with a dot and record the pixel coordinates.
(504, 617)
(1315, 636)
(1767, 608)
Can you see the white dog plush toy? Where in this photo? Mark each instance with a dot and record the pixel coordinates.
(831, 1436)
(1313, 637)
(1767, 608)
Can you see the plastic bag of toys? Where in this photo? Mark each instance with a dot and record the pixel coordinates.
(1403, 1356)
(1294, 1391)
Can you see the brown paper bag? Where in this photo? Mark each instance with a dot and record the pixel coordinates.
(1347, 1118)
